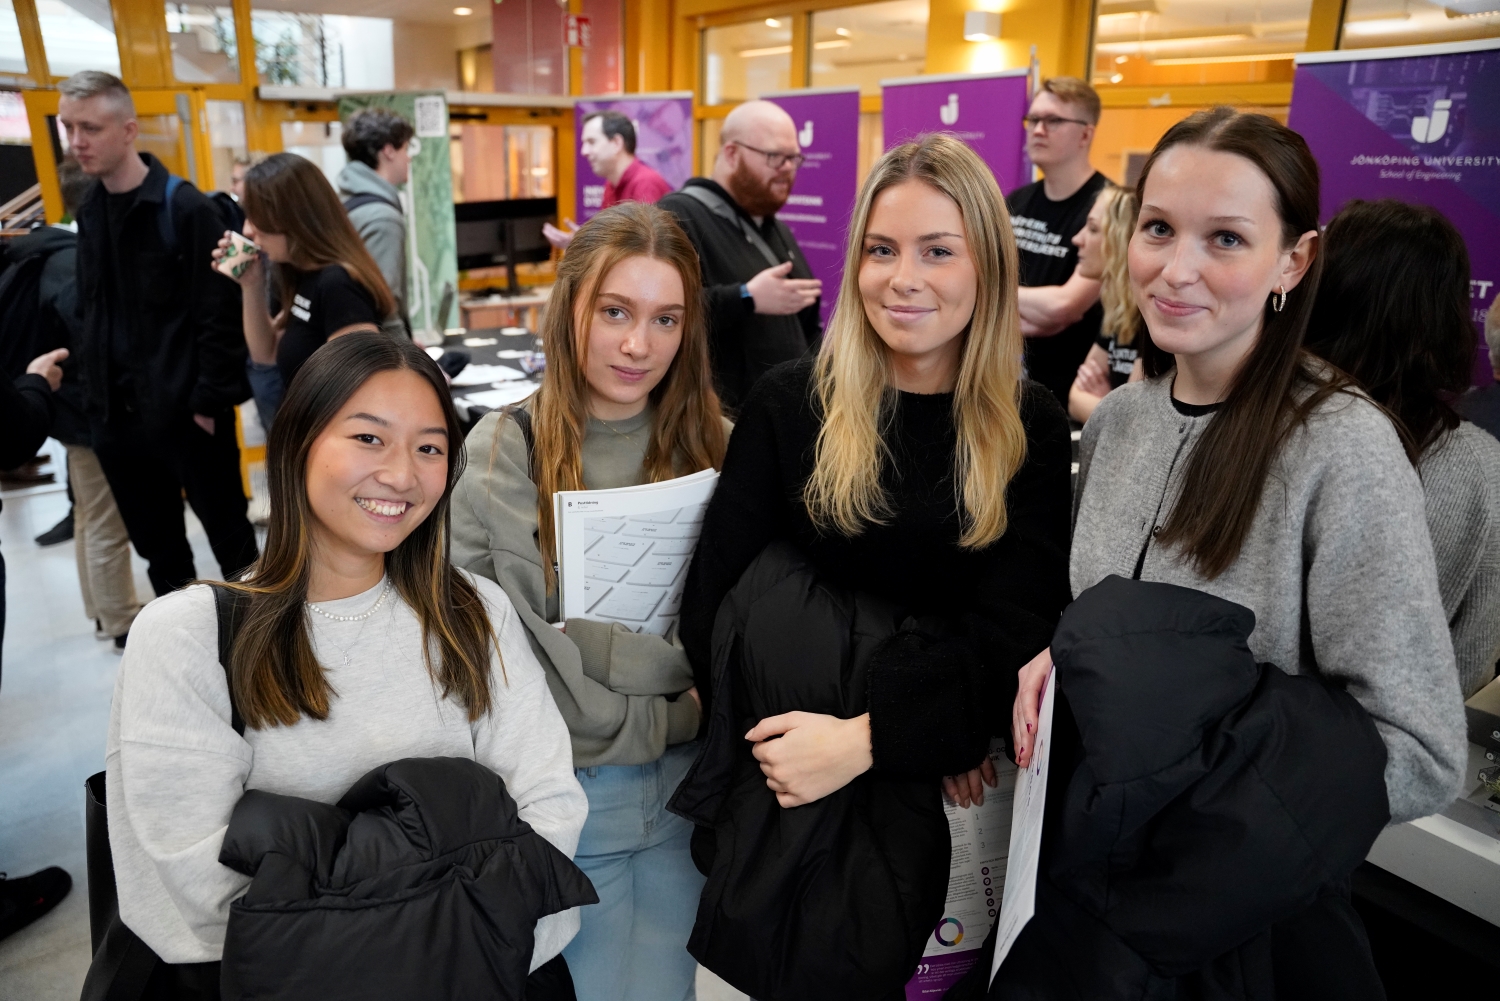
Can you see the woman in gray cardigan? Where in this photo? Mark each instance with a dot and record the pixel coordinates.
(627, 399)
(1393, 312)
(1245, 468)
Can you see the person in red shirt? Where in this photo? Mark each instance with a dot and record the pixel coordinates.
(609, 147)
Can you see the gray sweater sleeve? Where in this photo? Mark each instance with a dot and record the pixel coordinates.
(1461, 482)
(609, 683)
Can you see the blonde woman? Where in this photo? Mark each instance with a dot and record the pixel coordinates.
(910, 460)
(1103, 246)
(627, 398)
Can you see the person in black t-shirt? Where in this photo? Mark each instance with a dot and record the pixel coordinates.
(326, 282)
(1103, 252)
(1059, 308)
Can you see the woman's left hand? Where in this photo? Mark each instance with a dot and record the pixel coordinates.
(812, 756)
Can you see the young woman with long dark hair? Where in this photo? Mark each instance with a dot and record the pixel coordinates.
(627, 398)
(1393, 312)
(360, 645)
(1248, 469)
(326, 282)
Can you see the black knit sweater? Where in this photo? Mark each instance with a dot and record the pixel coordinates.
(941, 689)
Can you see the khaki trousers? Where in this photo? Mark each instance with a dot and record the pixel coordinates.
(102, 546)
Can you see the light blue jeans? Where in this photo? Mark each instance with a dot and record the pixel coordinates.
(633, 943)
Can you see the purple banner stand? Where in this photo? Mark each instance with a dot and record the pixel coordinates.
(822, 199)
(982, 109)
(663, 141)
(1419, 123)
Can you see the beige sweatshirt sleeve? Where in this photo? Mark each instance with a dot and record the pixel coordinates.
(610, 684)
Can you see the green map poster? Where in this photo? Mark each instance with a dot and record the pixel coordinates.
(432, 255)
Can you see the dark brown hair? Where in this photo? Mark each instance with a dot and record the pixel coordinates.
(1393, 311)
(687, 433)
(277, 679)
(288, 195)
(1276, 387)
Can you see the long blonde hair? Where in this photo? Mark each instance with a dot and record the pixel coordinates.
(852, 374)
(687, 432)
(1117, 224)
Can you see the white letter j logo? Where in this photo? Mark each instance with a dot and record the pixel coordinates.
(1430, 130)
(949, 112)
(804, 138)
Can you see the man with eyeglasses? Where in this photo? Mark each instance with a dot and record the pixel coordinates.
(761, 296)
(1060, 310)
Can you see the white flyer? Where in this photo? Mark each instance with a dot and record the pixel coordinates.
(1019, 902)
(980, 837)
(623, 555)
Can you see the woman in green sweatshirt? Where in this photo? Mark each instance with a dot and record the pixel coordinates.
(627, 399)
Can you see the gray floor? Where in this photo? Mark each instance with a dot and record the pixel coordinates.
(54, 708)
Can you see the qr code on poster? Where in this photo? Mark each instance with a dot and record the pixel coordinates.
(432, 117)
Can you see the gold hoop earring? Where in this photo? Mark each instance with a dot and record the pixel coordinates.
(1278, 298)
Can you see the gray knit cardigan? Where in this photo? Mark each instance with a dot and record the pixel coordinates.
(1337, 566)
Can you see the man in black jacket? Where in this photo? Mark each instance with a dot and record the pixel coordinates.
(162, 351)
(762, 298)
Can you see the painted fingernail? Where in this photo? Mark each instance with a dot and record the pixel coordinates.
(1028, 727)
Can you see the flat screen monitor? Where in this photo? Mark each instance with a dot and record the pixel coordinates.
(509, 232)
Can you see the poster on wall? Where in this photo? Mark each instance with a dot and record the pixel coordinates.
(663, 141)
(431, 237)
(822, 199)
(1419, 123)
(982, 109)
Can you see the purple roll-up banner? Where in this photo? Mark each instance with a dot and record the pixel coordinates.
(982, 109)
(1420, 123)
(822, 199)
(663, 141)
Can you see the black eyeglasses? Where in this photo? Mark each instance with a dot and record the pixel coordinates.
(776, 160)
(1050, 121)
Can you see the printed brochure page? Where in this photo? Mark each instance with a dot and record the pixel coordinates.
(976, 880)
(623, 554)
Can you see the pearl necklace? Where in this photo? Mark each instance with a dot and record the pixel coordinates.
(362, 615)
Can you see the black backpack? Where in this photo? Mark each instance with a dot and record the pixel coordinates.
(20, 313)
(368, 198)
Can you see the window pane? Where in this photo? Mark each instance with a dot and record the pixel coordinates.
(78, 35)
(12, 56)
(226, 138)
(1185, 42)
(203, 44)
(860, 46)
(744, 61)
(323, 50)
(1371, 23)
(320, 142)
(493, 162)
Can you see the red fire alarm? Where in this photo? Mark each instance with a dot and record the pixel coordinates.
(576, 31)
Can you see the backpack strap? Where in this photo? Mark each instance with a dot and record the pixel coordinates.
(522, 417)
(368, 198)
(230, 606)
(164, 221)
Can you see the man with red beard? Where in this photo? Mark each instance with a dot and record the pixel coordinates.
(762, 298)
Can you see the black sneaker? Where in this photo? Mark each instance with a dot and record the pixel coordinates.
(119, 646)
(61, 532)
(24, 900)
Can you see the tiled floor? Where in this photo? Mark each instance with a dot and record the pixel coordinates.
(55, 689)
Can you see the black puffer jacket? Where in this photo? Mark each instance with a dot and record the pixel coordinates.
(1203, 816)
(832, 900)
(423, 882)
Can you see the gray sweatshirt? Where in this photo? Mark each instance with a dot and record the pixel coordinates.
(175, 767)
(1337, 566)
(610, 683)
(382, 227)
(1461, 478)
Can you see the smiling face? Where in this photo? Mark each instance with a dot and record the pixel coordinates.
(1206, 255)
(633, 331)
(1090, 242)
(918, 283)
(380, 466)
